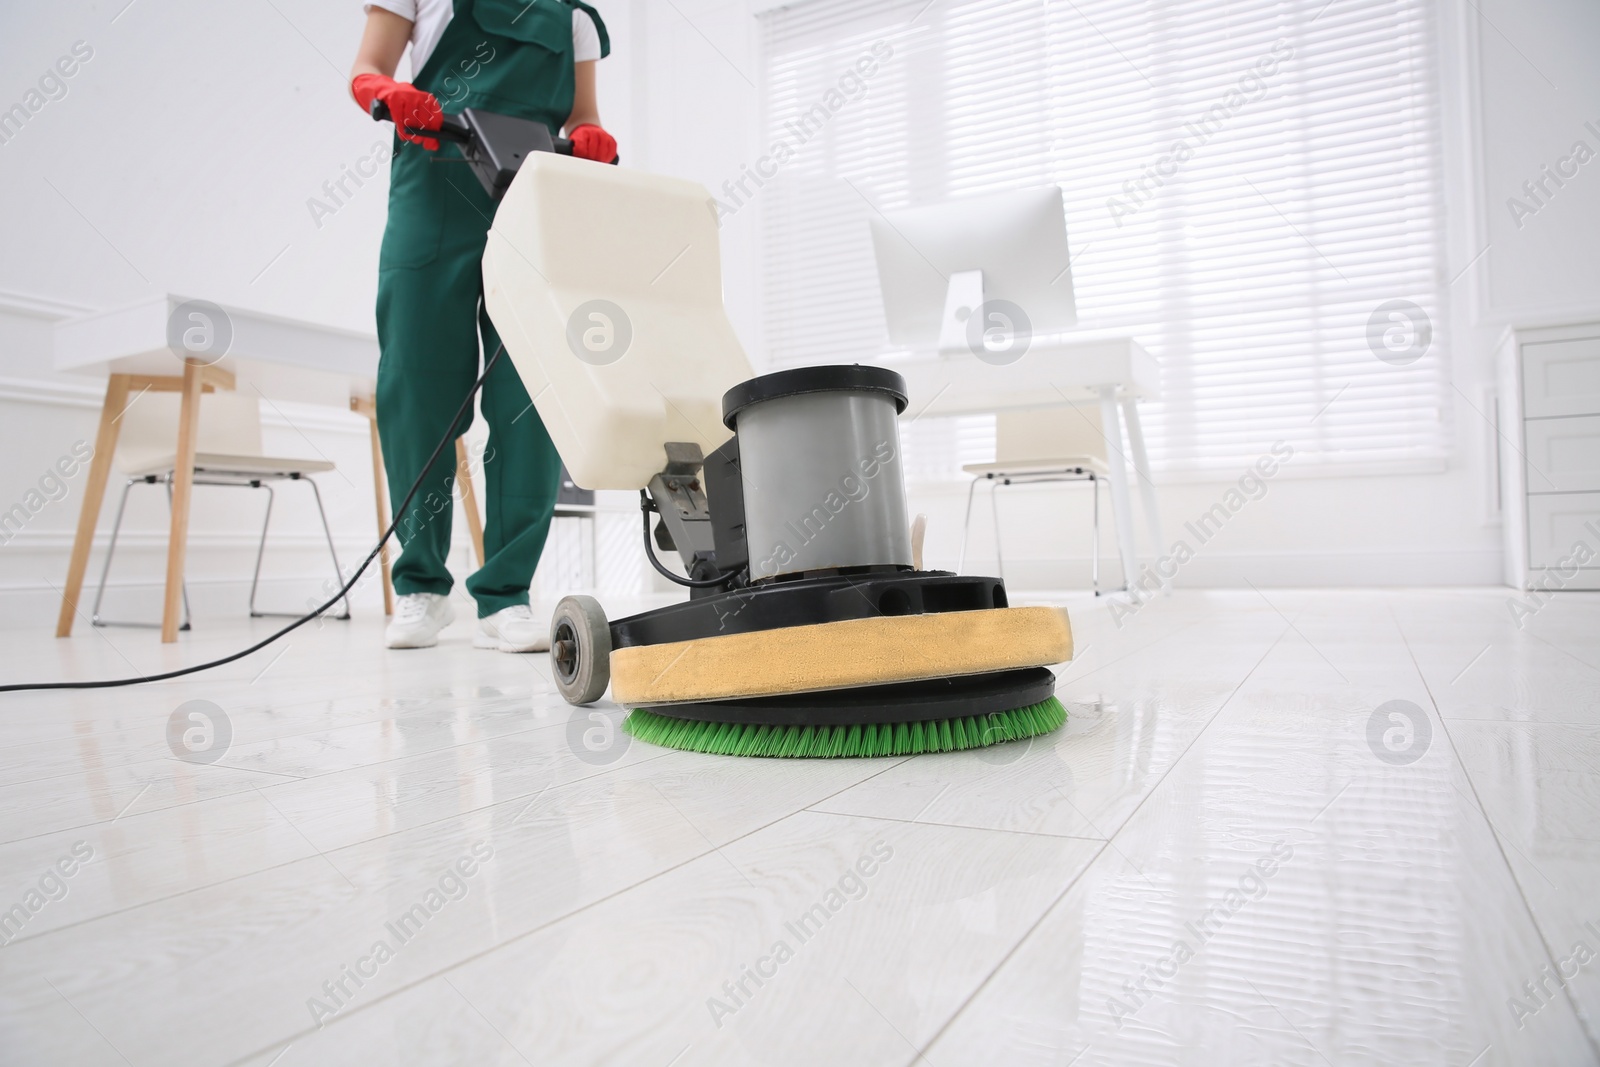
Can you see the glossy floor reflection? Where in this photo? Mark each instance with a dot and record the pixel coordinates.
(1299, 828)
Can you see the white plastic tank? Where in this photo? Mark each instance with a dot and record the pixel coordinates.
(605, 285)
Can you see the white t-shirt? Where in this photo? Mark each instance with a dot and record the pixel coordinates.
(430, 17)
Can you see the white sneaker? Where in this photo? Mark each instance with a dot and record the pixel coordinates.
(418, 618)
(513, 629)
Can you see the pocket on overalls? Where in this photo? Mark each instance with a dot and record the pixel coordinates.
(546, 23)
(416, 216)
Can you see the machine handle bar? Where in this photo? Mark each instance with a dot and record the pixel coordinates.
(452, 128)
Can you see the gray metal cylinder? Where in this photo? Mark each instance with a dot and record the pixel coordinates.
(823, 484)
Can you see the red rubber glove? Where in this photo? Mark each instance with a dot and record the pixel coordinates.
(591, 142)
(408, 106)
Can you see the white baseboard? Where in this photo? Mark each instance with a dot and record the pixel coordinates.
(33, 605)
(1221, 570)
(34, 608)
(296, 568)
(131, 541)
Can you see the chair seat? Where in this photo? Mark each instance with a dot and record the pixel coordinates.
(226, 465)
(1029, 468)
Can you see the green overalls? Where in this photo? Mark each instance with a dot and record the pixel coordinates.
(513, 57)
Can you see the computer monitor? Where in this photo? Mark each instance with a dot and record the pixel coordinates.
(937, 265)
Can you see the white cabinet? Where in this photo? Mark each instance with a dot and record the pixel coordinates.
(1557, 522)
(1549, 438)
(1563, 454)
(1560, 377)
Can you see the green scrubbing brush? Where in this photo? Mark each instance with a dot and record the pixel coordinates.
(858, 739)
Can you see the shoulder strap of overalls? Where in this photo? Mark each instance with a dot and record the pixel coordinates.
(599, 25)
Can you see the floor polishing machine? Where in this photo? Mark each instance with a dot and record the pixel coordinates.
(811, 628)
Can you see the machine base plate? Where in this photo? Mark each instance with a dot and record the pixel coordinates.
(932, 698)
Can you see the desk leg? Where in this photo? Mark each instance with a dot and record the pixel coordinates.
(1147, 485)
(1094, 560)
(94, 492)
(994, 516)
(966, 527)
(1121, 502)
(594, 548)
(469, 498)
(380, 496)
(182, 492)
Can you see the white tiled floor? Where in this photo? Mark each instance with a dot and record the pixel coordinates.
(1088, 898)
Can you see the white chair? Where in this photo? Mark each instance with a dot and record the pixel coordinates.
(1059, 444)
(228, 453)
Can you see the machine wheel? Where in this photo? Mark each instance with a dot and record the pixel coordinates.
(580, 649)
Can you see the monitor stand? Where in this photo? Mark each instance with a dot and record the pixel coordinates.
(962, 299)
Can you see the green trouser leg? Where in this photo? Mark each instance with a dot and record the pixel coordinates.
(521, 474)
(429, 290)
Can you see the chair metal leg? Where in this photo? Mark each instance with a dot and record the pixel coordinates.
(994, 512)
(333, 553)
(261, 550)
(966, 526)
(111, 550)
(1121, 501)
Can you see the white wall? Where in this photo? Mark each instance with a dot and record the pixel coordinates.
(181, 158)
(697, 114)
(186, 148)
(1537, 93)
(1501, 118)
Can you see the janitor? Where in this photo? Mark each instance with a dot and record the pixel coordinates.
(534, 59)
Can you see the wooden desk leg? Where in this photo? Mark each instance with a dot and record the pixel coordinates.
(469, 498)
(380, 494)
(1147, 485)
(182, 492)
(1121, 502)
(94, 492)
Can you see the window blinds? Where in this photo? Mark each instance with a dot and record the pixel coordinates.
(1247, 185)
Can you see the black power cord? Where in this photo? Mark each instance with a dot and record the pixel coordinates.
(646, 507)
(449, 436)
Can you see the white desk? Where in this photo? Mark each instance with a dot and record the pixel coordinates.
(1113, 371)
(281, 358)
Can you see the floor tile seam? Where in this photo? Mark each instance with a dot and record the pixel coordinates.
(1494, 834)
(1089, 865)
(366, 841)
(711, 850)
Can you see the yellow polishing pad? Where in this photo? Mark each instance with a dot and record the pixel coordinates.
(840, 655)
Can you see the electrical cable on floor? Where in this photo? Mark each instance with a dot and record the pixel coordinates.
(449, 436)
